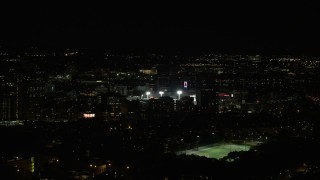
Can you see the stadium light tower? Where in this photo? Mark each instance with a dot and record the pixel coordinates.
(161, 93)
(179, 92)
(148, 93)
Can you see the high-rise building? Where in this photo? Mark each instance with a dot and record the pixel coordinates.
(207, 100)
(8, 107)
(31, 96)
(9, 97)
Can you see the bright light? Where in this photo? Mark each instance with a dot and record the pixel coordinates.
(179, 92)
(161, 93)
(88, 115)
(194, 99)
(148, 93)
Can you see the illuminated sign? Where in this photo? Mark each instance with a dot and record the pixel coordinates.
(88, 115)
(185, 84)
(223, 95)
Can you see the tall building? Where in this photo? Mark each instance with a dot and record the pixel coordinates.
(8, 106)
(8, 97)
(115, 106)
(207, 100)
(31, 97)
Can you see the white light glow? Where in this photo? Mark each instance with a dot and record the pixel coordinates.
(148, 93)
(179, 92)
(161, 93)
(194, 99)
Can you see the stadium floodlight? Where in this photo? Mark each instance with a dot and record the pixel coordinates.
(161, 93)
(148, 93)
(179, 92)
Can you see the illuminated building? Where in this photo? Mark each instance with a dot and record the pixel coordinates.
(8, 106)
(32, 95)
(152, 71)
(227, 102)
(114, 105)
(9, 96)
(20, 164)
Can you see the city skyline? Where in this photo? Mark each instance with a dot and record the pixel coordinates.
(160, 91)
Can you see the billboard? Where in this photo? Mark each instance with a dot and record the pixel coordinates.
(185, 84)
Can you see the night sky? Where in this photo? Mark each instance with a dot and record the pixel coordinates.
(219, 27)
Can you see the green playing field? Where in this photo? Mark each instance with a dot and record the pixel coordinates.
(217, 151)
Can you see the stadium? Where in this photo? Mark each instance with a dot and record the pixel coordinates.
(219, 150)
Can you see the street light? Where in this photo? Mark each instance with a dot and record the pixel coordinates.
(148, 93)
(179, 93)
(161, 93)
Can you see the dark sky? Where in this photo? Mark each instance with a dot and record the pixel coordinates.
(225, 27)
